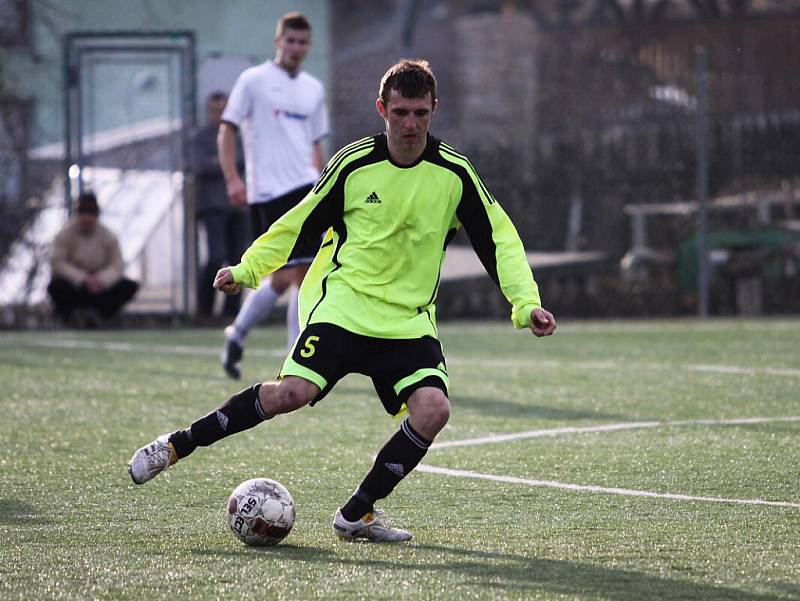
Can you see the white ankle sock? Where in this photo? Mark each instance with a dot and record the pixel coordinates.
(292, 318)
(257, 305)
(232, 333)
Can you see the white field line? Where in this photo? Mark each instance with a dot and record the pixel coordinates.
(430, 469)
(731, 369)
(134, 347)
(612, 365)
(192, 350)
(497, 438)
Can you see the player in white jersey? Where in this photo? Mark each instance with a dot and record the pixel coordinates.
(281, 114)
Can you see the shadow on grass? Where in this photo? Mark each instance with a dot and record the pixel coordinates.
(505, 407)
(18, 513)
(505, 572)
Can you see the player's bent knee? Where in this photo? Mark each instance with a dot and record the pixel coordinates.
(281, 280)
(287, 395)
(296, 392)
(440, 406)
(430, 411)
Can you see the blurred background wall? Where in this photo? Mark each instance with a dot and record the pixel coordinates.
(581, 116)
(582, 119)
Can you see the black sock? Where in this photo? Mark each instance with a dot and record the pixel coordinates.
(401, 454)
(357, 507)
(240, 412)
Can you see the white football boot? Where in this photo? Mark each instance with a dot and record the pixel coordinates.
(149, 461)
(371, 527)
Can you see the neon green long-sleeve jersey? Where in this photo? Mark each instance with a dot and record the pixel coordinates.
(386, 230)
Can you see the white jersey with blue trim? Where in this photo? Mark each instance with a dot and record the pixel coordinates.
(280, 117)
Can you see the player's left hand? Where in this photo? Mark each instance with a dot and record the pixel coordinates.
(542, 322)
(225, 283)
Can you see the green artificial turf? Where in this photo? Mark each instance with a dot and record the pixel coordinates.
(76, 405)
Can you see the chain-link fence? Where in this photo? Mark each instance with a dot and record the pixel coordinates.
(586, 133)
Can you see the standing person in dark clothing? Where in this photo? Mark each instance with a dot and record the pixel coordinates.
(225, 223)
(87, 285)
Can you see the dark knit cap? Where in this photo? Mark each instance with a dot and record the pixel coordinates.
(87, 203)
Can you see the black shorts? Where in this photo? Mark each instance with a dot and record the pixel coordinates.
(264, 214)
(325, 353)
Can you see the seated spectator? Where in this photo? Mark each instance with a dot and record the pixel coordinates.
(87, 285)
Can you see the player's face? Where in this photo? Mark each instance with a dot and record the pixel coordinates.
(291, 48)
(215, 109)
(407, 119)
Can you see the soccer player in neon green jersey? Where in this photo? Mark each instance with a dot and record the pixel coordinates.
(389, 205)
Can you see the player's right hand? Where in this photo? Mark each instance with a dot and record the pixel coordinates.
(237, 192)
(542, 322)
(224, 282)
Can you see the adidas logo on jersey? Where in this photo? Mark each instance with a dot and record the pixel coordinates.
(373, 199)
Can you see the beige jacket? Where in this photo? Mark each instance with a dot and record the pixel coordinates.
(76, 255)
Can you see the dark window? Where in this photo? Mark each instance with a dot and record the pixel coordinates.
(14, 23)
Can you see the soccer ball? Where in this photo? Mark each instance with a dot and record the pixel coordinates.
(260, 512)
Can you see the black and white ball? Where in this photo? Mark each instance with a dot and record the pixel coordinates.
(261, 512)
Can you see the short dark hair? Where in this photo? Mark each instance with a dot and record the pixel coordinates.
(216, 96)
(293, 20)
(413, 78)
(87, 203)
